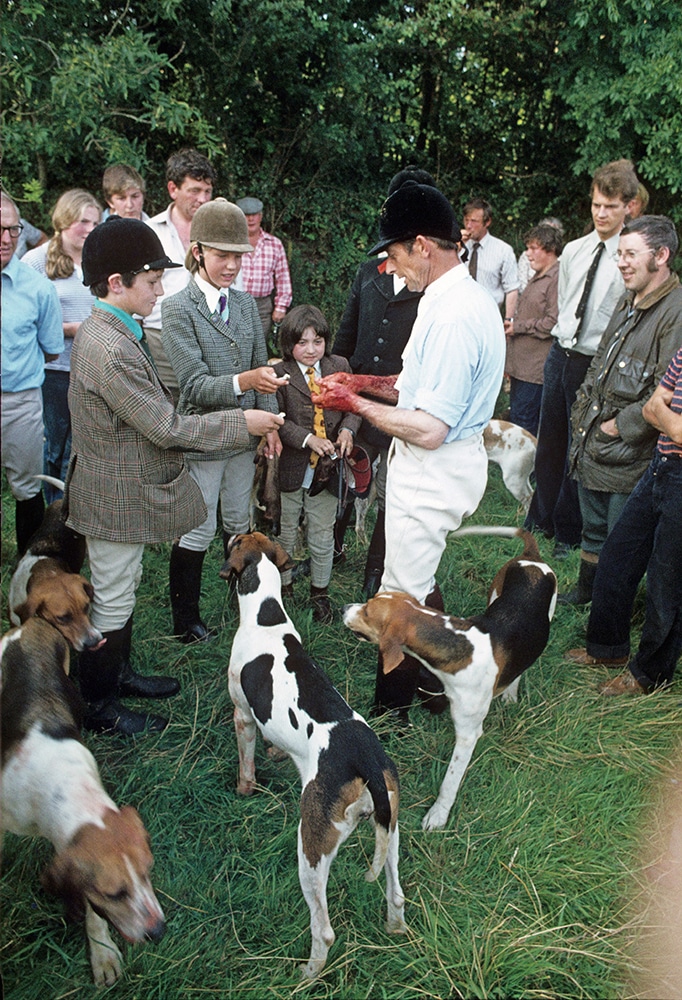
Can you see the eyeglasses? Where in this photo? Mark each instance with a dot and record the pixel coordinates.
(14, 231)
(628, 255)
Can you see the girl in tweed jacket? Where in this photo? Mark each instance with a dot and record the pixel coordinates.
(213, 338)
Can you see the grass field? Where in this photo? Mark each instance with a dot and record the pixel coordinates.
(527, 893)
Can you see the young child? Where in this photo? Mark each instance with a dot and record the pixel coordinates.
(309, 432)
(123, 190)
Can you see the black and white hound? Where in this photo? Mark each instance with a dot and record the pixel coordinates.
(474, 658)
(51, 788)
(277, 688)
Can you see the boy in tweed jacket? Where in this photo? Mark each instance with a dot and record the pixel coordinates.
(306, 436)
(127, 483)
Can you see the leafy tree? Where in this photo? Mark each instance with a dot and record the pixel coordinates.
(314, 104)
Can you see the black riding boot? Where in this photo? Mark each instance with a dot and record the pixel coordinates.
(395, 691)
(134, 685)
(99, 672)
(185, 591)
(374, 566)
(582, 592)
(27, 519)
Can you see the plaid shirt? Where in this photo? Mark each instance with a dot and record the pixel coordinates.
(266, 268)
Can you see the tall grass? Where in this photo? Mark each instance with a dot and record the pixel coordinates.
(525, 894)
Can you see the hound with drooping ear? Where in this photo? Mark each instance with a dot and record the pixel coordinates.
(474, 658)
(277, 687)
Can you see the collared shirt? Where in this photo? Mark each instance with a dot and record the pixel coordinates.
(454, 360)
(607, 289)
(174, 278)
(267, 268)
(75, 299)
(212, 296)
(496, 267)
(31, 326)
(124, 317)
(672, 380)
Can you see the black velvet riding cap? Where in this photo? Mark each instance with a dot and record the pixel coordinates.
(415, 210)
(122, 246)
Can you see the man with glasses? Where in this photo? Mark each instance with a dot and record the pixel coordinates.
(612, 443)
(31, 335)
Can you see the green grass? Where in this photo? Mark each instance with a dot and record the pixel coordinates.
(525, 894)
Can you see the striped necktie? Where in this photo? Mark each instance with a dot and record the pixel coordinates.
(319, 429)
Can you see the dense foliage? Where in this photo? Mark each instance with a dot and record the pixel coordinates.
(314, 105)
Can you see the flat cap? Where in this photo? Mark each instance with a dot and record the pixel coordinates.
(250, 206)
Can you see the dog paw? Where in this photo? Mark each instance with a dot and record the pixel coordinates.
(246, 787)
(274, 753)
(106, 962)
(436, 818)
(311, 970)
(396, 926)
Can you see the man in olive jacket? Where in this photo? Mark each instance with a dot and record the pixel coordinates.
(127, 484)
(612, 443)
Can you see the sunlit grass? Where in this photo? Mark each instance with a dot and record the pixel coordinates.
(524, 894)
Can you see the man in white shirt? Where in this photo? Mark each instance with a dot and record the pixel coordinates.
(190, 178)
(492, 262)
(590, 285)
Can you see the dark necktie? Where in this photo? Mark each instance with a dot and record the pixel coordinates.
(587, 288)
(473, 261)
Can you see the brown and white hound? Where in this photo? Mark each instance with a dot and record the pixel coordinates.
(513, 449)
(278, 688)
(51, 788)
(47, 582)
(474, 658)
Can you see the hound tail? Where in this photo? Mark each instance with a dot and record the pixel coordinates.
(57, 483)
(530, 545)
(383, 814)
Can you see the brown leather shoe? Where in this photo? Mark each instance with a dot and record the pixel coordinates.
(622, 684)
(583, 659)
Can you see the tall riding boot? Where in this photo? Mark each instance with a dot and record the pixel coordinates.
(185, 591)
(99, 672)
(374, 566)
(28, 518)
(395, 691)
(340, 526)
(582, 592)
(134, 685)
(429, 688)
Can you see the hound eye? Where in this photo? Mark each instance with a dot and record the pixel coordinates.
(117, 897)
(64, 619)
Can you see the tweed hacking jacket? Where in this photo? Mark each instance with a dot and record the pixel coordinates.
(295, 402)
(127, 480)
(206, 354)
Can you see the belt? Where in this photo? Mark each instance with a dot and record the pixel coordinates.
(570, 353)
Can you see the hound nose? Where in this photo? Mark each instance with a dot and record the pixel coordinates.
(156, 931)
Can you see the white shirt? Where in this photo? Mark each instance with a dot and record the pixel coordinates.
(606, 290)
(174, 279)
(496, 267)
